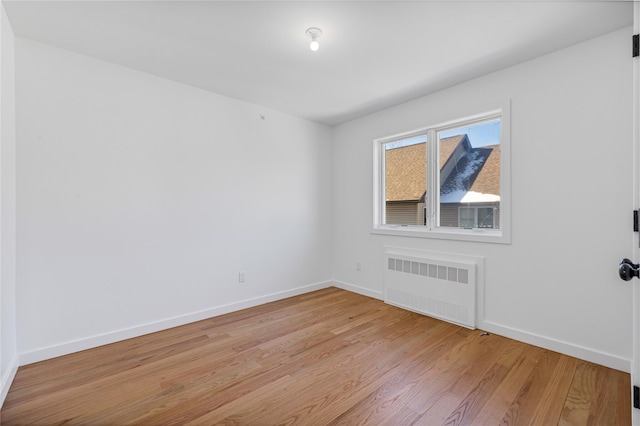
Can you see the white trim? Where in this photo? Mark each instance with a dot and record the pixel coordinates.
(374, 294)
(480, 235)
(502, 235)
(7, 379)
(635, 250)
(567, 348)
(140, 330)
(433, 181)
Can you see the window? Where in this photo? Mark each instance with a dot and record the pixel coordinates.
(476, 217)
(446, 181)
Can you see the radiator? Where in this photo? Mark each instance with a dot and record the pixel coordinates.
(435, 284)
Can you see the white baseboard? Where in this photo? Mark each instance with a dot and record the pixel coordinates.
(375, 294)
(140, 330)
(7, 379)
(591, 355)
(566, 348)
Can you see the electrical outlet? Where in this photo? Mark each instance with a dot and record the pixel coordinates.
(242, 276)
(358, 267)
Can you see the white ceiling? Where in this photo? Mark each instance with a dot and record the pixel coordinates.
(372, 54)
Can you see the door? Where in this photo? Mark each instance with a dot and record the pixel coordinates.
(635, 363)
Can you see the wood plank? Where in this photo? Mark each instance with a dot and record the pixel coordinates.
(502, 400)
(578, 402)
(326, 357)
(382, 405)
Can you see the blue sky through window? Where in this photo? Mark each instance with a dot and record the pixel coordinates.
(479, 135)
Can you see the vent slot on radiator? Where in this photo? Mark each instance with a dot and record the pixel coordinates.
(442, 286)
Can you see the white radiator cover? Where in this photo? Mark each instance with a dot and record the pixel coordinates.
(439, 285)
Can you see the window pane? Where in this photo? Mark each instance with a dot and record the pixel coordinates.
(467, 217)
(405, 181)
(470, 175)
(485, 217)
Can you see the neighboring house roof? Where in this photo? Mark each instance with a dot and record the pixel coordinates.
(448, 145)
(467, 174)
(406, 172)
(476, 177)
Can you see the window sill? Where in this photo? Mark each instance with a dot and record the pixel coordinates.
(472, 235)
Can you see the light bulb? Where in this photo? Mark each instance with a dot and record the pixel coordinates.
(314, 33)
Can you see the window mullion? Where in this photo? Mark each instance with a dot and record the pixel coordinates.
(432, 195)
(382, 215)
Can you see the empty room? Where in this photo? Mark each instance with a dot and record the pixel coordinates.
(319, 212)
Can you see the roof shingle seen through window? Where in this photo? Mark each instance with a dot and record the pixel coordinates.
(477, 171)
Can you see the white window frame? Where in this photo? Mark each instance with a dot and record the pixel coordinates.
(490, 235)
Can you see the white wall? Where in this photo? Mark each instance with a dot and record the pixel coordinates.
(140, 200)
(8, 349)
(556, 285)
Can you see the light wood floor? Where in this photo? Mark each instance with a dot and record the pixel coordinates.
(328, 357)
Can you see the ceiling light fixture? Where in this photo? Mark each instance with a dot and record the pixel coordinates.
(314, 33)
